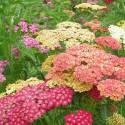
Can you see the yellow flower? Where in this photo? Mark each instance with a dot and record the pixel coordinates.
(47, 64)
(116, 119)
(49, 38)
(70, 81)
(2, 95)
(121, 24)
(88, 6)
(67, 79)
(70, 33)
(68, 24)
(19, 84)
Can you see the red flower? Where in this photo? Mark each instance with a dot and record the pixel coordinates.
(95, 94)
(108, 1)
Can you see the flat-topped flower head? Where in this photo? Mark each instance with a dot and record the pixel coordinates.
(108, 41)
(114, 89)
(81, 117)
(115, 119)
(32, 102)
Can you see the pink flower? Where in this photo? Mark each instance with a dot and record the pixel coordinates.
(64, 61)
(108, 41)
(120, 73)
(87, 74)
(2, 78)
(112, 88)
(32, 43)
(24, 26)
(82, 117)
(32, 102)
(94, 25)
(33, 28)
(16, 28)
(87, 65)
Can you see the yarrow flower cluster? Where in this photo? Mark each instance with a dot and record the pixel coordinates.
(20, 84)
(112, 88)
(2, 66)
(32, 102)
(67, 33)
(82, 67)
(82, 117)
(89, 6)
(48, 63)
(25, 27)
(115, 119)
(108, 41)
(95, 25)
(30, 42)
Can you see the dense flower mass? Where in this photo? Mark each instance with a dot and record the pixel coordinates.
(28, 104)
(82, 117)
(33, 43)
(82, 66)
(67, 34)
(112, 88)
(108, 41)
(2, 66)
(115, 119)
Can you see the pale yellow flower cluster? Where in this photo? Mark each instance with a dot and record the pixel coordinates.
(89, 6)
(20, 84)
(121, 24)
(67, 79)
(68, 33)
(116, 119)
(48, 63)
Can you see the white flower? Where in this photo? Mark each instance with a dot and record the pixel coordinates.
(117, 32)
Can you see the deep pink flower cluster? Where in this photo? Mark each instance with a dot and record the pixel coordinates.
(89, 65)
(2, 66)
(32, 43)
(25, 27)
(95, 94)
(32, 102)
(82, 117)
(108, 41)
